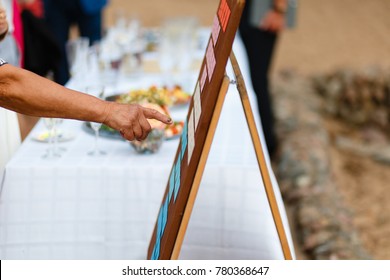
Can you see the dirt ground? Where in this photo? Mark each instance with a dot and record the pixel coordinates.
(329, 34)
(363, 185)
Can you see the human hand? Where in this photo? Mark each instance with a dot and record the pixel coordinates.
(3, 22)
(131, 119)
(273, 22)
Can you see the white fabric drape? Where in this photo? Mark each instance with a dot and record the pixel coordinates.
(9, 137)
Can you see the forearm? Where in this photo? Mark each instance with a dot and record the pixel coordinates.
(30, 94)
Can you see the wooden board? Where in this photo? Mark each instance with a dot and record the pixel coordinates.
(197, 135)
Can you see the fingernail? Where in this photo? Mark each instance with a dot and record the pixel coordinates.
(169, 120)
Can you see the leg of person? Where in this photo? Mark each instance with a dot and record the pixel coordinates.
(59, 19)
(259, 46)
(260, 51)
(90, 26)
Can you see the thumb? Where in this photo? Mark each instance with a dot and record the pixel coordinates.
(154, 114)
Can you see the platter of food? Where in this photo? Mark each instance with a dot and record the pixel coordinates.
(170, 131)
(173, 131)
(160, 98)
(45, 136)
(163, 96)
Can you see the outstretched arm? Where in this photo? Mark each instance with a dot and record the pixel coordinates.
(30, 94)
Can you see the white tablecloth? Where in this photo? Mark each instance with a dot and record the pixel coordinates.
(9, 137)
(79, 207)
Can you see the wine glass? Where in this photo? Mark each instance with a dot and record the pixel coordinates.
(77, 54)
(97, 91)
(167, 51)
(51, 152)
(57, 133)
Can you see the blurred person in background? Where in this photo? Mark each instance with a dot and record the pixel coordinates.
(34, 6)
(61, 14)
(261, 22)
(41, 50)
(11, 49)
(17, 51)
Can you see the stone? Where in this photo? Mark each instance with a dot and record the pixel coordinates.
(325, 226)
(382, 156)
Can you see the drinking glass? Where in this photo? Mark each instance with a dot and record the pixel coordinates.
(77, 54)
(97, 91)
(186, 43)
(56, 135)
(51, 152)
(176, 46)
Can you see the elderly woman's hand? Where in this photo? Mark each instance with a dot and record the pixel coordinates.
(3, 23)
(131, 120)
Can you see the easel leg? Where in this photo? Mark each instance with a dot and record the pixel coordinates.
(260, 158)
(199, 171)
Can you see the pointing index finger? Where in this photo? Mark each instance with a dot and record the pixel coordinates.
(154, 114)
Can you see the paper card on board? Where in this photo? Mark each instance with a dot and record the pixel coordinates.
(191, 136)
(159, 224)
(197, 105)
(203, 78)
(210, 59)
(177, 179)
(183, 141)
(156, 252)
(171, 184)
(216, 30)
(164, 215)
(224, 14)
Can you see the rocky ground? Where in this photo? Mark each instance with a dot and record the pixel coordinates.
(336, 191)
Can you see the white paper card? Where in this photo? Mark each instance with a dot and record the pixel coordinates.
(191, 136)
(203, 78)
(210, 60)
(197, 105)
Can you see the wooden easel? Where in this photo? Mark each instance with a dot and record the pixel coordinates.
(260, 158)
(259, 155)
(188, 167)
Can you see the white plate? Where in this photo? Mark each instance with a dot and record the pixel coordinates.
(63, 136)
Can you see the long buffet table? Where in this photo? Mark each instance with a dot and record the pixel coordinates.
(81, 207)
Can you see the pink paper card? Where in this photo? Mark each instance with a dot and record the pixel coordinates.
(210, 60)
(216, 29)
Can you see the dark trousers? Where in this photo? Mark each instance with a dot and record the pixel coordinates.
(259, 46)
(60, 15)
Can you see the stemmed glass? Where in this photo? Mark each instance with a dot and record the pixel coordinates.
(176, 46)
(51, 152)
(97, 91)
(166, 59)
(77, 53)
(56, 136)
(167, 51)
